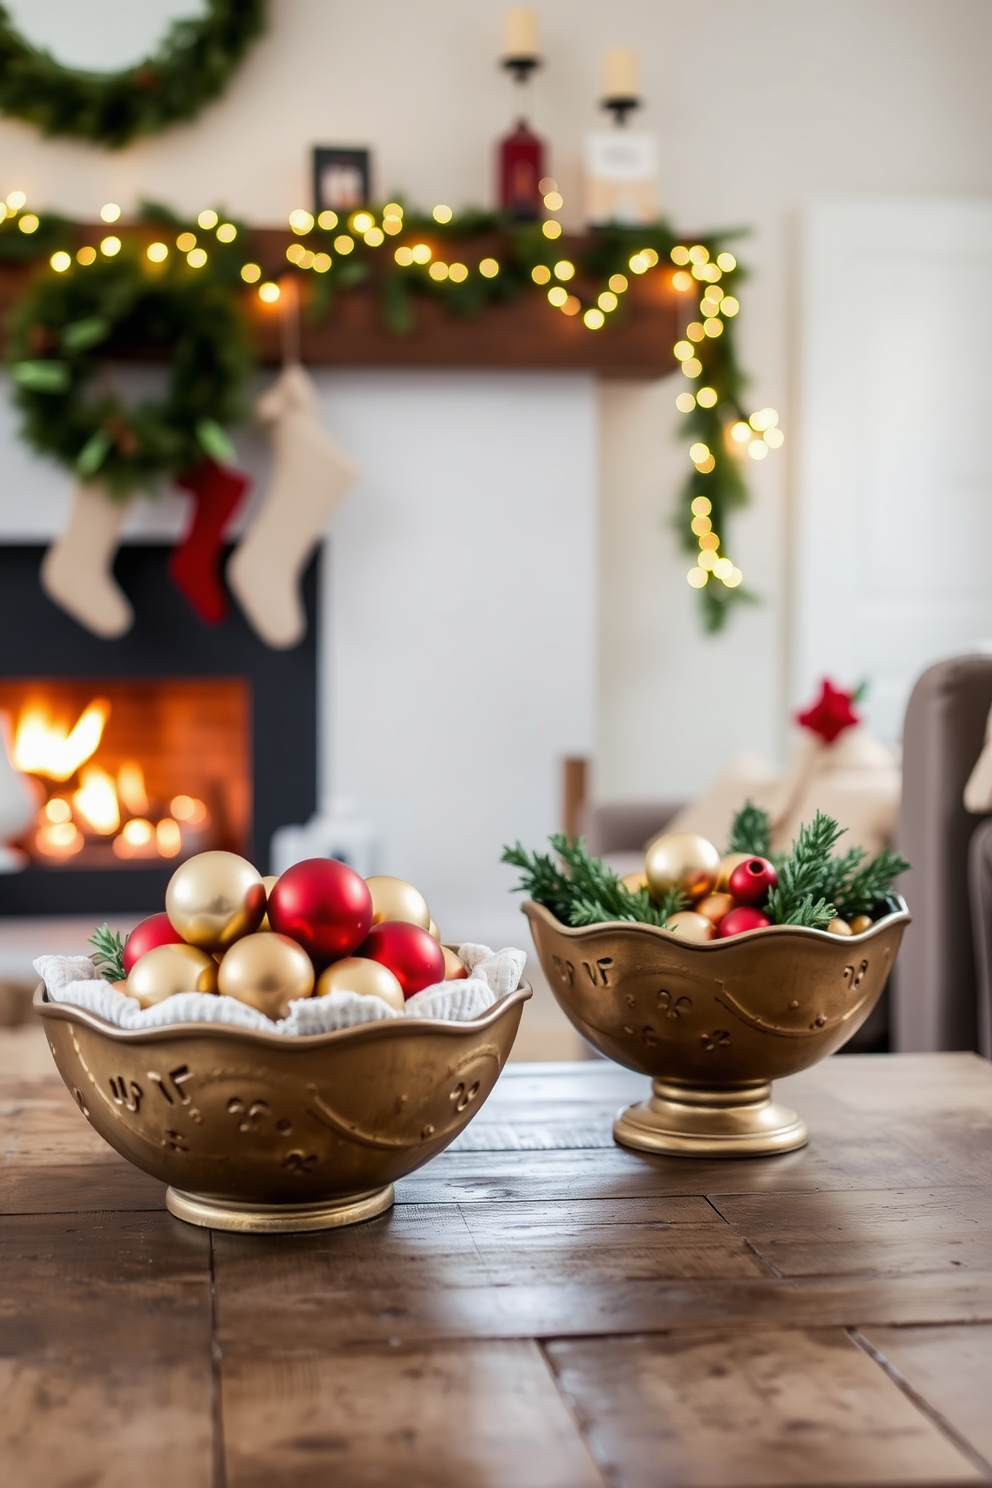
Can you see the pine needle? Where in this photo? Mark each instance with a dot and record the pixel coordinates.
(108, 958)
(585, 891)
(751, 832)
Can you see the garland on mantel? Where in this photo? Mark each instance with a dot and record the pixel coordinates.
(151, 282)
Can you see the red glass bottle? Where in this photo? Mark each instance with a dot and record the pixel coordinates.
(521, 168)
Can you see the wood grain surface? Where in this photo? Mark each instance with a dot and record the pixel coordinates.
(540, 1307)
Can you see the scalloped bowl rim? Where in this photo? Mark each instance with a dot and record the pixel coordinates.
(708, 947)
(381, 1027)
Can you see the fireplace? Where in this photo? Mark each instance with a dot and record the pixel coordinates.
(176, 738)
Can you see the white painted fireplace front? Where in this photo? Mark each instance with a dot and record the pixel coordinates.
(458, 614)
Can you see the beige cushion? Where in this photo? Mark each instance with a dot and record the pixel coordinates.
(746, 777)
(978, 791)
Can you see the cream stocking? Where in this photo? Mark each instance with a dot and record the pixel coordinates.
(310, 476)
(76, 570)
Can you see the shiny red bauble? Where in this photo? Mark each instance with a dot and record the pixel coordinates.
(147, 934)
(744, 917)
(750, 881)
(324, 906)
(414, 957)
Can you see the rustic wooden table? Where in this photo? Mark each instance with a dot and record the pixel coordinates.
(540, 1308)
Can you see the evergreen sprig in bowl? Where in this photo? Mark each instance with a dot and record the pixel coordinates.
(714, 1021)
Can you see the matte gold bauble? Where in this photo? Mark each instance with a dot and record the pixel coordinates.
(715, 906)
(635, 881)
(267, 971)
(681, 860)
(366, 977)
(726, 868)
(454, 966)
(691, 926)
(268, 880)
(214, 899)
(839, 927)
(861, 923)
(166, 970)
(433, 930)
(395, 899)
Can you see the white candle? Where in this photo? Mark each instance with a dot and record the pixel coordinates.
(620, 73)
(520, 32)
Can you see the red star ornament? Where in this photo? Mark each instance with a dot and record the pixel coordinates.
(831, 714)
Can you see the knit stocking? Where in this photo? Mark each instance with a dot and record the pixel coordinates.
(310, 476)
(194, 565)
(76, 571)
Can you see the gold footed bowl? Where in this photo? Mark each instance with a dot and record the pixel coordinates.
(258, 1132)
(714, 1023)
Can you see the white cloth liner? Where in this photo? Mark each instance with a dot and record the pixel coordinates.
(494, 974)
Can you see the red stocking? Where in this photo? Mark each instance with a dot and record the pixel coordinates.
(194, 564)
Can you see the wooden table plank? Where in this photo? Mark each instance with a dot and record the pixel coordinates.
(441, 1415)
(727, 1409)
(950, 1368)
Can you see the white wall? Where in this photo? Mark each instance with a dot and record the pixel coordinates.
(760, 105)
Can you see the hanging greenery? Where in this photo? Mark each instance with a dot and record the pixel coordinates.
(467, 262)
(189, 68)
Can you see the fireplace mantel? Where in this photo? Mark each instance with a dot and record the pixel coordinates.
(526, 334)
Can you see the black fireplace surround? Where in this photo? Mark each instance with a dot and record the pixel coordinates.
(167, 640)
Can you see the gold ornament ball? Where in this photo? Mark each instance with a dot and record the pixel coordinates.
(454, 967)
(395, 899)
(214, 899)
(726, 868)
(168, 969)
(635, 881)
(691, 926)
(267, 971)
(433, 930)
(268, 880)
(681, 860)
(715, 906)
(861, 923)
(839, 927)
(366, 977)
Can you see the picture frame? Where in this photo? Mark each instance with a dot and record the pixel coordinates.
(342, 178)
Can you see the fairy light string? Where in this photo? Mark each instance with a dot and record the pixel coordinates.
(472, 259)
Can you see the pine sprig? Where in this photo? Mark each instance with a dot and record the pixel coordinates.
(868, 884)
(796, 898)
(108, 958)
(751, 832)
(586, 891)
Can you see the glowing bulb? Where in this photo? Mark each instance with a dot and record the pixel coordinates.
(458, 272)
(157, 252)
(343, 244)
(697, 578)
(269, 292)
(392, 210)
(706, 559)
(438, 270)
(60, 262)
(707, 273)
(680, 255)
(327, 220)
(693, 367)
(706, 397)
(295, 252)
(207, 219)
(186, 241)
(765, 418)
(709, 542)
(594, 319)
(227, 232)
(374, 237)
(740, 432)
(392, 225)
(713, 327)
(649, 256)
(729, 306)
(321, 263)
(685, 402)
(705, 466)
(727, 262)
(774, 438)
(86, 256)
(301, 221)
(28, 223)
(639, 264)
(564, 269)
(572, 305)
(701, 506)
(110, 246)
(15, 200)
(681, 281)
(110, 212)
(700, 525)
(306, 262)
(607, 300)
(196, 258)
(404, 257)
(698, 453)
(422, 253)
(361, 222)
(546, 184)
(557, 296)
(684, 350)
(551, 228)
(553, 201)
(757, 449)
(733, 578)
(695, 331)
(489, 268)
(540, 273)
(251, 273)
(618, 283)
(442, 213)
(698, 254)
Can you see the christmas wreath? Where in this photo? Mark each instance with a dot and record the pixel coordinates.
(72, 327)
(190, 67)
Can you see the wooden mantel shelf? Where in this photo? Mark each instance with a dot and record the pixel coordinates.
(527, 334)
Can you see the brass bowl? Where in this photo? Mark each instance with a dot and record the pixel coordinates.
(257, 1131)
(714, 1023)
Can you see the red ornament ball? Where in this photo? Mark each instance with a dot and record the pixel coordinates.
(750, 881)
(744, 917)
(412, 955)
(147, 934)
(324, 906)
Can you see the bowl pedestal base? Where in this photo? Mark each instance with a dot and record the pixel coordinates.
(278, 1219)
(695, 1121)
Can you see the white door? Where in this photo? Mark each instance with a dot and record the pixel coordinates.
(893, 542)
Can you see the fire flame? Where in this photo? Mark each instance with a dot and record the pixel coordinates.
(44, 747)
